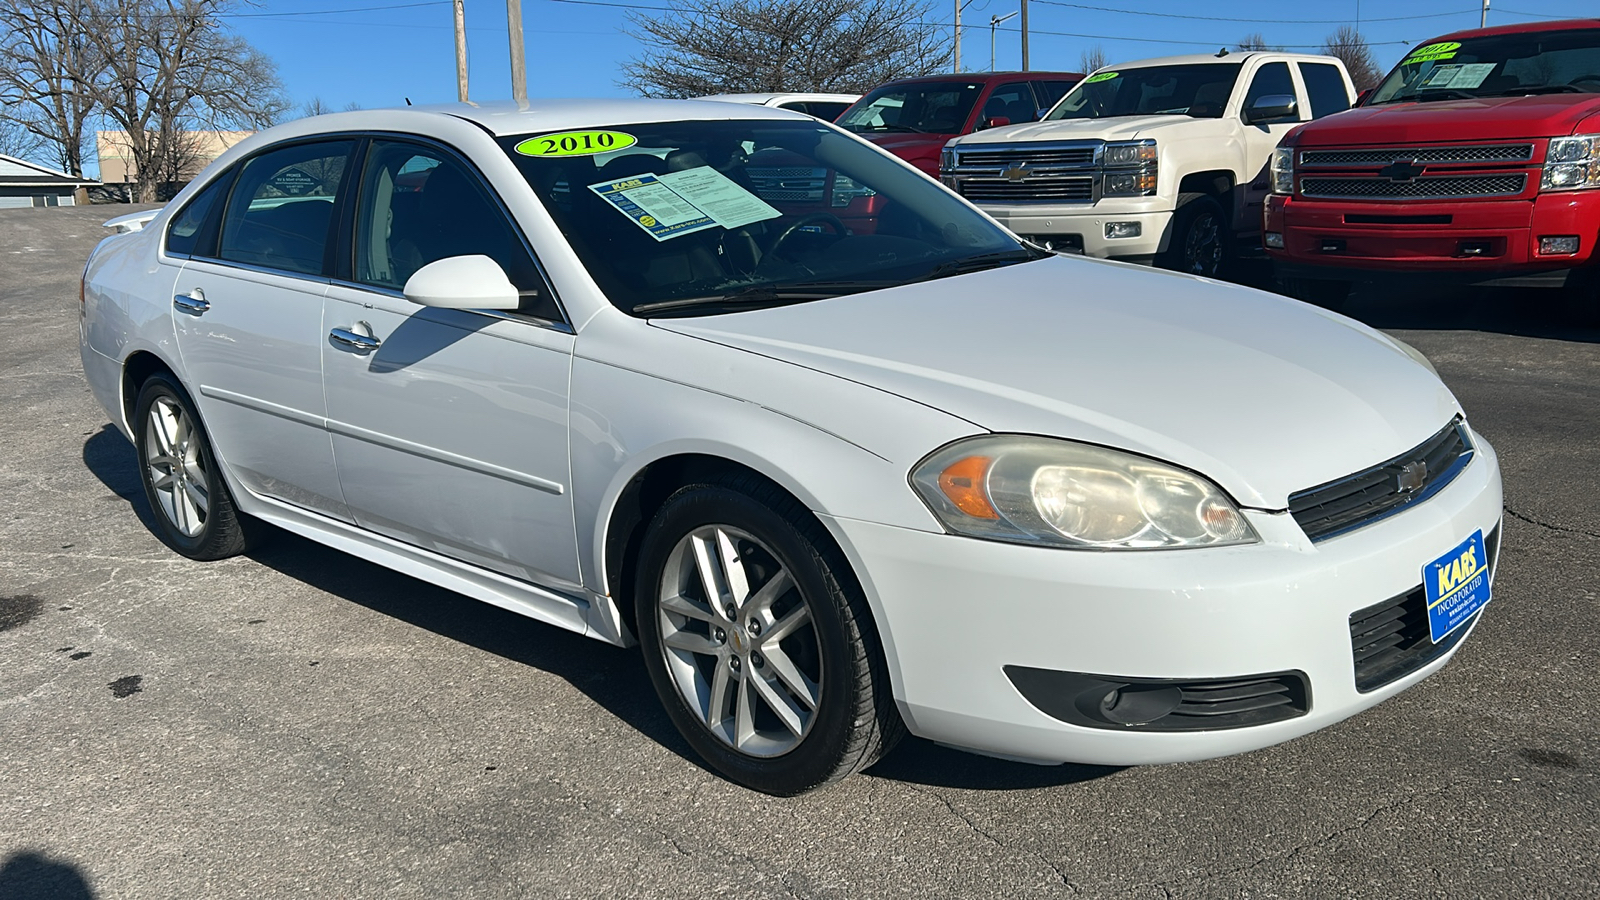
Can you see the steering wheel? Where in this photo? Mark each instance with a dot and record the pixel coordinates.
(820, 218)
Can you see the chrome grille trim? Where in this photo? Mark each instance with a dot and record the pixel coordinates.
(1441, 188)
(1495, 153)
(1058, 172)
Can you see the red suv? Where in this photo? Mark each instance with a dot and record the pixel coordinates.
(914, 117)
(1477, 158)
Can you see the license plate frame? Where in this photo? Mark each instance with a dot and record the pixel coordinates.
(1457, 586)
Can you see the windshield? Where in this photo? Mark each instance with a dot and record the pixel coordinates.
(1200, 90)
(1506, 65)
(692, 218)
(931, 107)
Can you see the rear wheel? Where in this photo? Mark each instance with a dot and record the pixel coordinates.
(1326, 294)
(758, 641)
(1199, 244)
(194, 512)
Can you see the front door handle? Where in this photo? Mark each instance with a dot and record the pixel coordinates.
(194, 302)
(355, 340)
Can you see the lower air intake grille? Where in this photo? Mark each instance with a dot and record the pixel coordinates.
(1385, 489)
(1390, 640)
(1163, 704)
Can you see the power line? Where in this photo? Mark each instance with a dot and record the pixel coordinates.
(1159, 15)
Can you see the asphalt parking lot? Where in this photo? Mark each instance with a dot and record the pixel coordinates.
(300, 722)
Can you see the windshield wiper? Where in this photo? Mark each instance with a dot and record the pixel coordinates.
(1441, 94)
(982, 261)
(1545, 89)
(750, 296)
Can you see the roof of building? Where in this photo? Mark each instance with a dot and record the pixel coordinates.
(21, 173)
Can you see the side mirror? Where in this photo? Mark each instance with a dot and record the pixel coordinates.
(462, 282)
(1362, 97)
(996, 122)
(1039, 116)
(1272, 108)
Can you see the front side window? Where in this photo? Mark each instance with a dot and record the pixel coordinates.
(186, 234)
(933, 107)
(281, 208)
(419, 205)
(1200, 90)
(1272, 80)
(1505, 65)
(1013, 101)
(691, 218)
(1325, 89)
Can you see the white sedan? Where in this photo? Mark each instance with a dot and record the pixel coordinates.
(844, 456)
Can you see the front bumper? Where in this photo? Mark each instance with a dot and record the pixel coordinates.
(955, 611)
(1083, 228)
(1470, 239)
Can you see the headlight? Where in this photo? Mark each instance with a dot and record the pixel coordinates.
(1572, 163)
(1137, 161)
(947, 159)
(1283, 170)
(1034, 490)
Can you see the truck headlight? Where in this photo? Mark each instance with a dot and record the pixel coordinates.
(1130, 169)
(1572, 163)
(947, 160)
(1283, 170)
(1044, 491)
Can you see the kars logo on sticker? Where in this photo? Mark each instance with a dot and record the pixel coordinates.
(576, 143)
(1101, 76)
(1433, 52)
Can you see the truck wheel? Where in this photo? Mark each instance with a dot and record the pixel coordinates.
(1581, 300)
(1199, 244)
(1326, 294)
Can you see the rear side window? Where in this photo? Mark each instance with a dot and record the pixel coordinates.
(1272, 78)
(281, 208)
(1324, 88)
(1013, 101)
(1051, 92)
(190, 232)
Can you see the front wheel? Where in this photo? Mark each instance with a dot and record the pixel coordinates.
(758, 640)
(1199, 243)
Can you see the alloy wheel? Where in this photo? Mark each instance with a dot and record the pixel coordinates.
(1202, 248)
(177, 469)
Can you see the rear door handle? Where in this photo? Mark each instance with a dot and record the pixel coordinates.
(355, 340)
(194, 302)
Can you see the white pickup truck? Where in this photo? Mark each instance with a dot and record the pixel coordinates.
(1158, 161)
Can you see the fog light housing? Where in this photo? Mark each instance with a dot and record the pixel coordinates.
(1273, 239)
(1116, 230)
(1558, 244)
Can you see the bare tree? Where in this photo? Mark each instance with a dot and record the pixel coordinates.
(18, 141)
(314, 107)
(1092, 59)
(721, 46)
(1254, 41)
(171, 68)
(48, 69)
(352, 106)
(1351, 48)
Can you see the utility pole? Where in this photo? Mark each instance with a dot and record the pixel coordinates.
(1483, 20)
(959, 4)
(1024, 35)
(461, 53)
(993, 22)
(519, 68)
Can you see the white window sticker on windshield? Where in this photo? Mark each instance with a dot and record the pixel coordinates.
(653, 206)
(719, 197)
(1457, 77)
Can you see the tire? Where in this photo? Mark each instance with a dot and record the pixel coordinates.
(1200, 237)
(737, 687)
(1580, 302)
(1332, 295)
(194, 513)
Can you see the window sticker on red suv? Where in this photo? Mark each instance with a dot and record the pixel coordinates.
(1457, 77)
(1432, 53)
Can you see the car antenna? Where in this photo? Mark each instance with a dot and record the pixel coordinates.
(1221, 53)
(408, 101)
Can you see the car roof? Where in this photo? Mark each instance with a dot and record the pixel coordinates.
(764, 99)
(982, 76)
(1520, 28)
(1233, 56)
(542, 114)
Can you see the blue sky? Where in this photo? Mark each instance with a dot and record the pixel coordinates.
(395, 49)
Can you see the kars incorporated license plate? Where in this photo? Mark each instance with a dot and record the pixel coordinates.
(1458, 586)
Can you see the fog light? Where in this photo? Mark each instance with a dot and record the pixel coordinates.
(1555, 245)
(1123, 230)
(1273, 239)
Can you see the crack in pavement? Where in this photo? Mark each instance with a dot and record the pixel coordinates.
(1561, 528)
(1288, 855)
(1060, 876)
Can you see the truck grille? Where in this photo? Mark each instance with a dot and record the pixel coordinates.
(789, 184)
(1382, 157)
(1390, 640)
(1363, 498)
(1388, 189)
(1073, 189)
(1060, 156)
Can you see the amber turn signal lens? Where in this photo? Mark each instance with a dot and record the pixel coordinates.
(962, 481)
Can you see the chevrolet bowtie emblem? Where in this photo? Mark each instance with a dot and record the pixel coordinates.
(1401, 170)
(1015, 173)
(1412, 476)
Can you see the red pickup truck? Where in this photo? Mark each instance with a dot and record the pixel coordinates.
(1477, 158)
(913, 118)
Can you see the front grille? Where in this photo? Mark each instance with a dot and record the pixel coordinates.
(1171, 704)
(788, 184)
(1367, 496)
(1388, 189)
(1077, 188)
(1390, 640)
(1064, 156)
(1491, 154)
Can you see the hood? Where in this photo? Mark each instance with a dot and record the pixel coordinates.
(1262, 394)
(1482, 119)
(1114, 128)
(909, 145)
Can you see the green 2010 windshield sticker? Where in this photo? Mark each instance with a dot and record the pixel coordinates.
(576, 143)
(1101, 76)
(1432, 53)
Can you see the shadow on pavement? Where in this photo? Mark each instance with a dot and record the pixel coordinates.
(29, 875)
(917, 761)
